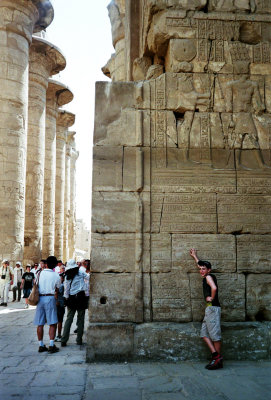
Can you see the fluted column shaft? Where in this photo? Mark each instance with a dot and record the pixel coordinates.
(45, 59)
(49, 183)
(17, 22)
(64, 121)
(60, 189)
(57, 95)
(67, 200)
(72, 219)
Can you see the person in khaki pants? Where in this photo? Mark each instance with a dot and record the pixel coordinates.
(75, 300)
(6, 279)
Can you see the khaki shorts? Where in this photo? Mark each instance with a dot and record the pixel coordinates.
(211, 324)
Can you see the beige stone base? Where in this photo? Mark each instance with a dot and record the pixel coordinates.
(175, 342)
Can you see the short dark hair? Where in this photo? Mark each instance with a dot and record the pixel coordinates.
(51, 262)
(206, 264)
(59, 261)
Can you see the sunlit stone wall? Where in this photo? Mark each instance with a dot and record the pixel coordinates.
(182, 159)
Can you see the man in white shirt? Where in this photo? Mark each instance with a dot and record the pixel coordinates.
(6, 279)
(35, 269)
(46, 311)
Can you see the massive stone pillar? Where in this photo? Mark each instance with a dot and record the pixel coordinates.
(181, 159)
(72, 220)
(18, 20)
(45, 60)
(67, 196)
(65, 119)
(57, 95)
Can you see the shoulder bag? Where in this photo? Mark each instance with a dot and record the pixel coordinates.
(34, 296)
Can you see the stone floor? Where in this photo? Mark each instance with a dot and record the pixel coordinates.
(26, 374)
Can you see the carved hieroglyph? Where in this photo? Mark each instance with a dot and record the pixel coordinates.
(18, 20)
(182, 159)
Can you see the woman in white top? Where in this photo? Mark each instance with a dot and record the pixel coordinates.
(75, 300)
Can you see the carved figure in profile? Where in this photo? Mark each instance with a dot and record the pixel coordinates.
(190, 99)
(243, 97)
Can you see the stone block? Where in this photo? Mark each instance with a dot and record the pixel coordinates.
(136, 169)
(109, 342)
(168, 341)
(246, 340)
(161, 249)
(220, 250)
(231, 294)
(170, 297)
(253, 253)
(147, 297)
(258, 297)
(184, 213)
(181, 177)
(113, 252)
(127, 129)
(110, 97)
(178, 342)
(243, 5)
(179, 53)
(254, 182)
(244, 213)
(107, 168)
(112, 297)
(114, 212)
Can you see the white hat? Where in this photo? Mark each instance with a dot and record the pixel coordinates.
(18, 263)
(5, 262)
(71, 264)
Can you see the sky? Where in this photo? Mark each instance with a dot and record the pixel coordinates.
(81, 30)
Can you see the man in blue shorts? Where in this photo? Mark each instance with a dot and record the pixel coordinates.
(211, 329)
(46, 312)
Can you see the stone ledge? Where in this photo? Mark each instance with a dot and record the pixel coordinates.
(175, 342)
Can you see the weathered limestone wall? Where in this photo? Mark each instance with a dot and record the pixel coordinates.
(18, 20)
(181, 160)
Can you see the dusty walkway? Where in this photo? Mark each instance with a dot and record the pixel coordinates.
(27, 374)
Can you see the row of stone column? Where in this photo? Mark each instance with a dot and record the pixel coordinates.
(35, 146)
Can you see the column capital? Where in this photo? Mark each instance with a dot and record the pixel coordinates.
(74, 155)
(59, 92)
(47, 55)
(70, 142)
(30, 16)
(46, 14)
(65, 119)
(70, 138)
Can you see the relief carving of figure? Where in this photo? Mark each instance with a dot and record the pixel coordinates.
(190, 99)
(232, 5)
(243, 97)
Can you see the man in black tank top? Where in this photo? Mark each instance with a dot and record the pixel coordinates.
(211, 328)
